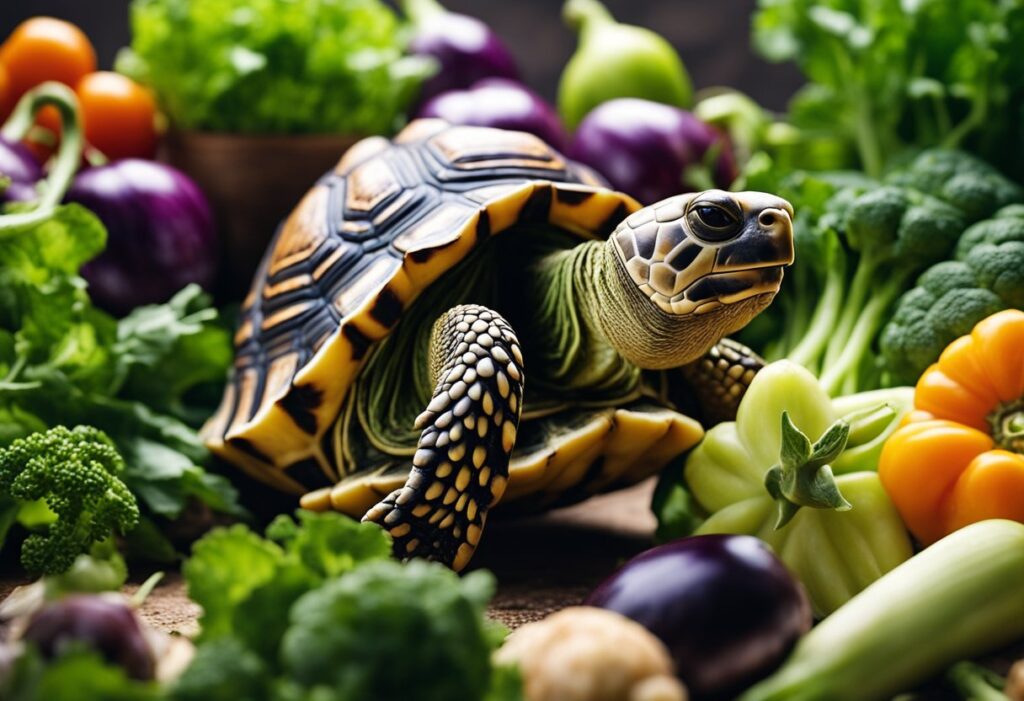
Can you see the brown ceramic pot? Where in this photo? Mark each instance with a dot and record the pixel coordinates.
(253, 182)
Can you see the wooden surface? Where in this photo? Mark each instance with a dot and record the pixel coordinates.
(541, 563)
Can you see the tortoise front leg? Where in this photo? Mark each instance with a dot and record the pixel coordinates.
(460, 468)
(720, 378)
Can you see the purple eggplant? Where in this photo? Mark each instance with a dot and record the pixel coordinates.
(109, 627)
(726, 608)
(465, 48)
(160, 233)
(501, 103)
(649, 150)
(18, 165)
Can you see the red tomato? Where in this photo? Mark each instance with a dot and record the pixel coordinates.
(44, 48)
(118, 115)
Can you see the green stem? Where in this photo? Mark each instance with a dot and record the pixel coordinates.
(864, 332)
(64, 164)
(863, 279)
(581, 15)
(976, 683)
(808, 351)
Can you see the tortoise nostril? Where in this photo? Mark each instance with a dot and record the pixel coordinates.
(766, 218)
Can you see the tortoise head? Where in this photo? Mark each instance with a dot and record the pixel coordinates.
(696, 267)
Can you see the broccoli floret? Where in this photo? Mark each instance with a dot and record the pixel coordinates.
(896, 232)
(67, 480)
(951, 297)
(966, 182)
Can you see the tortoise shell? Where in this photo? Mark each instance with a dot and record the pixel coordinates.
(369, 237)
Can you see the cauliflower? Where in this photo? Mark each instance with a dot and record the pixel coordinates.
(589, 654)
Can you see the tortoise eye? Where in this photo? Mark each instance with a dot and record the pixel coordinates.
(712, 222)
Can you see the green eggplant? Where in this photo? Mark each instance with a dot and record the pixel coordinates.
(617, 60)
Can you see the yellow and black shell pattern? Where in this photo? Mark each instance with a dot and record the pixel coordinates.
(371, 235)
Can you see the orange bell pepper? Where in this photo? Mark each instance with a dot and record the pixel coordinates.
(959, 457)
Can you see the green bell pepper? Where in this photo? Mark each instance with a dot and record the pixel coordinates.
(752, 478)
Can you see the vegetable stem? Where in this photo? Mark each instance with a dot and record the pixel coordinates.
(582, 14)
(975, 683)
(808, 351)
(863, 279)
(858, 342)
(67, 159)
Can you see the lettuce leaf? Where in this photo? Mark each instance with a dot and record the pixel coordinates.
(303, 66)
(147, 381)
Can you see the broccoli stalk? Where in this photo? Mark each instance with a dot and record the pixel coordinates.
(63, 485)
(895, 232)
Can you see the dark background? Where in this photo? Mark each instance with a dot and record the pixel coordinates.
(713, 37)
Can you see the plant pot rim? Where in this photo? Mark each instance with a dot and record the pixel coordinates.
(178, 134)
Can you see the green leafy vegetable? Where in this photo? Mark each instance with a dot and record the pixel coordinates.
(64, 485)
(76, 675)
(366, 616)
(317, 610)
(890, 76)
(303, 66)
(145, 381)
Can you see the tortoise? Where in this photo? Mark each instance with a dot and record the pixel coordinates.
(431, 271)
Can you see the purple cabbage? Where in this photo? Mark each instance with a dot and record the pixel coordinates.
(161, 233)
(465, 48)
(645, 148)
(500, 103)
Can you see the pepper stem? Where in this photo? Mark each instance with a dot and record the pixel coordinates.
(1007, 423)
(803, 476)
(66, 161)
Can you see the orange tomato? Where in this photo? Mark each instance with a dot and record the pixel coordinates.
(6, 103)
(44, 48)
(44, 141)
(118, 115)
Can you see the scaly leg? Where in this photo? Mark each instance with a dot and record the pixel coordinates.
(720, 379)
(460, 468)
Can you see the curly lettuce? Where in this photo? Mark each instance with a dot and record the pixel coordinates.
(304, 66)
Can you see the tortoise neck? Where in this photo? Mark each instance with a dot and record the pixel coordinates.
(566, 290)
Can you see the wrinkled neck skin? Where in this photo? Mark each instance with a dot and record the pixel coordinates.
(597, 330)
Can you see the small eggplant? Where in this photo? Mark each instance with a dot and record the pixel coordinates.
(617, 60)
(653, 151)
(465, 48)
(160, 233)
(500, 103)
(18, 165)
(726, 608)
(107, 626)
